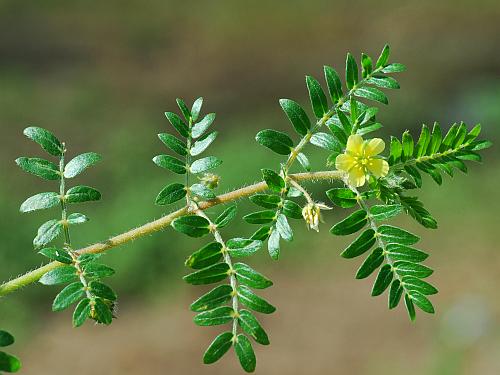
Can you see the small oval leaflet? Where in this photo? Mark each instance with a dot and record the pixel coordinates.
(278, 142)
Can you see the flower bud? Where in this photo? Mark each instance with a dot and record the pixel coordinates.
(210, 180)
(312, 214)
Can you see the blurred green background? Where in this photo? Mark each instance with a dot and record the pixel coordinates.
(101, 74)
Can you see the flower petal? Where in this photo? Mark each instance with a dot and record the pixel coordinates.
(344, 162)
(355, 145)
(374, 147)
(378, 167)
(357, 176)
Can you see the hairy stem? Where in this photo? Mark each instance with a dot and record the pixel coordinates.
(64, 217)
(157, 225)
(227, 259)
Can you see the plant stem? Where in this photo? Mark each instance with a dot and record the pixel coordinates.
(227, 260)
(157, 225)
(64, 217)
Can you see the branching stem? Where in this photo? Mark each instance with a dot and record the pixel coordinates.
(157, 225)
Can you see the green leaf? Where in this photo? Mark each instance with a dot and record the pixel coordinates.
(81, 312)
(273, 180)
(436, 139)
(45, 139)
(192, 225)
(345, 122)
(184, 109)
(383, 280)
(260, 217)
(423, 141)
(371, 93)
(395, 293)
(202, 144)
(360, 245)
(368, 129)
(292, 210)
(278, 142)
(219, 315)
(384, 82)
(351, 73)
(339, 133)
(350, 224)
(250, 325)
(304, 161)
(245, 353)
(246, 275)
(97, 270)
(317, 96)
(394, 68)
(242, 247)
(266, 200)
(39, 167)
(218, 348)
(283, 228)
(169, 162)
(326, 141)
(342, 197)
(201, 127)
(296, 115)
(480, 145)
(56, 254)
(405, 268)
(273, 244)
(366, 65)
(103, 314)
(196, 108)
(173, 143)
(261, 234)
(6, 339)
(371, 263)
(226, 216)
(9, 363)
(79, 163)
(40, 201)
(410, 307)
(205, 164)
(381, 212)
(384, 57)
(60, 275)
(254, 302)
(208, 275)
(401, 252)
(333, 83)
(396, 151)
(202, 191)
(206, 256)
(389, 233)
(178, 124)
(171, 194)
(407, 145)
(412, 283)
(422, 302)
(431, 171)
(82, 193)
(69, 295)
(102, 290)
(77, 218)
(415, 174)
(216, 297)
(48, 232)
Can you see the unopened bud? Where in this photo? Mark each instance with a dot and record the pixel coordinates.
(210, 180)
(312, 214)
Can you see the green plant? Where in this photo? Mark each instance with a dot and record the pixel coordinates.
(380, 187)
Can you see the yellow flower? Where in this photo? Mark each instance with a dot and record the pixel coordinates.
(360, 158)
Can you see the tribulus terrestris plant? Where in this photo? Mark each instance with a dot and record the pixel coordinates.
(377, 184)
